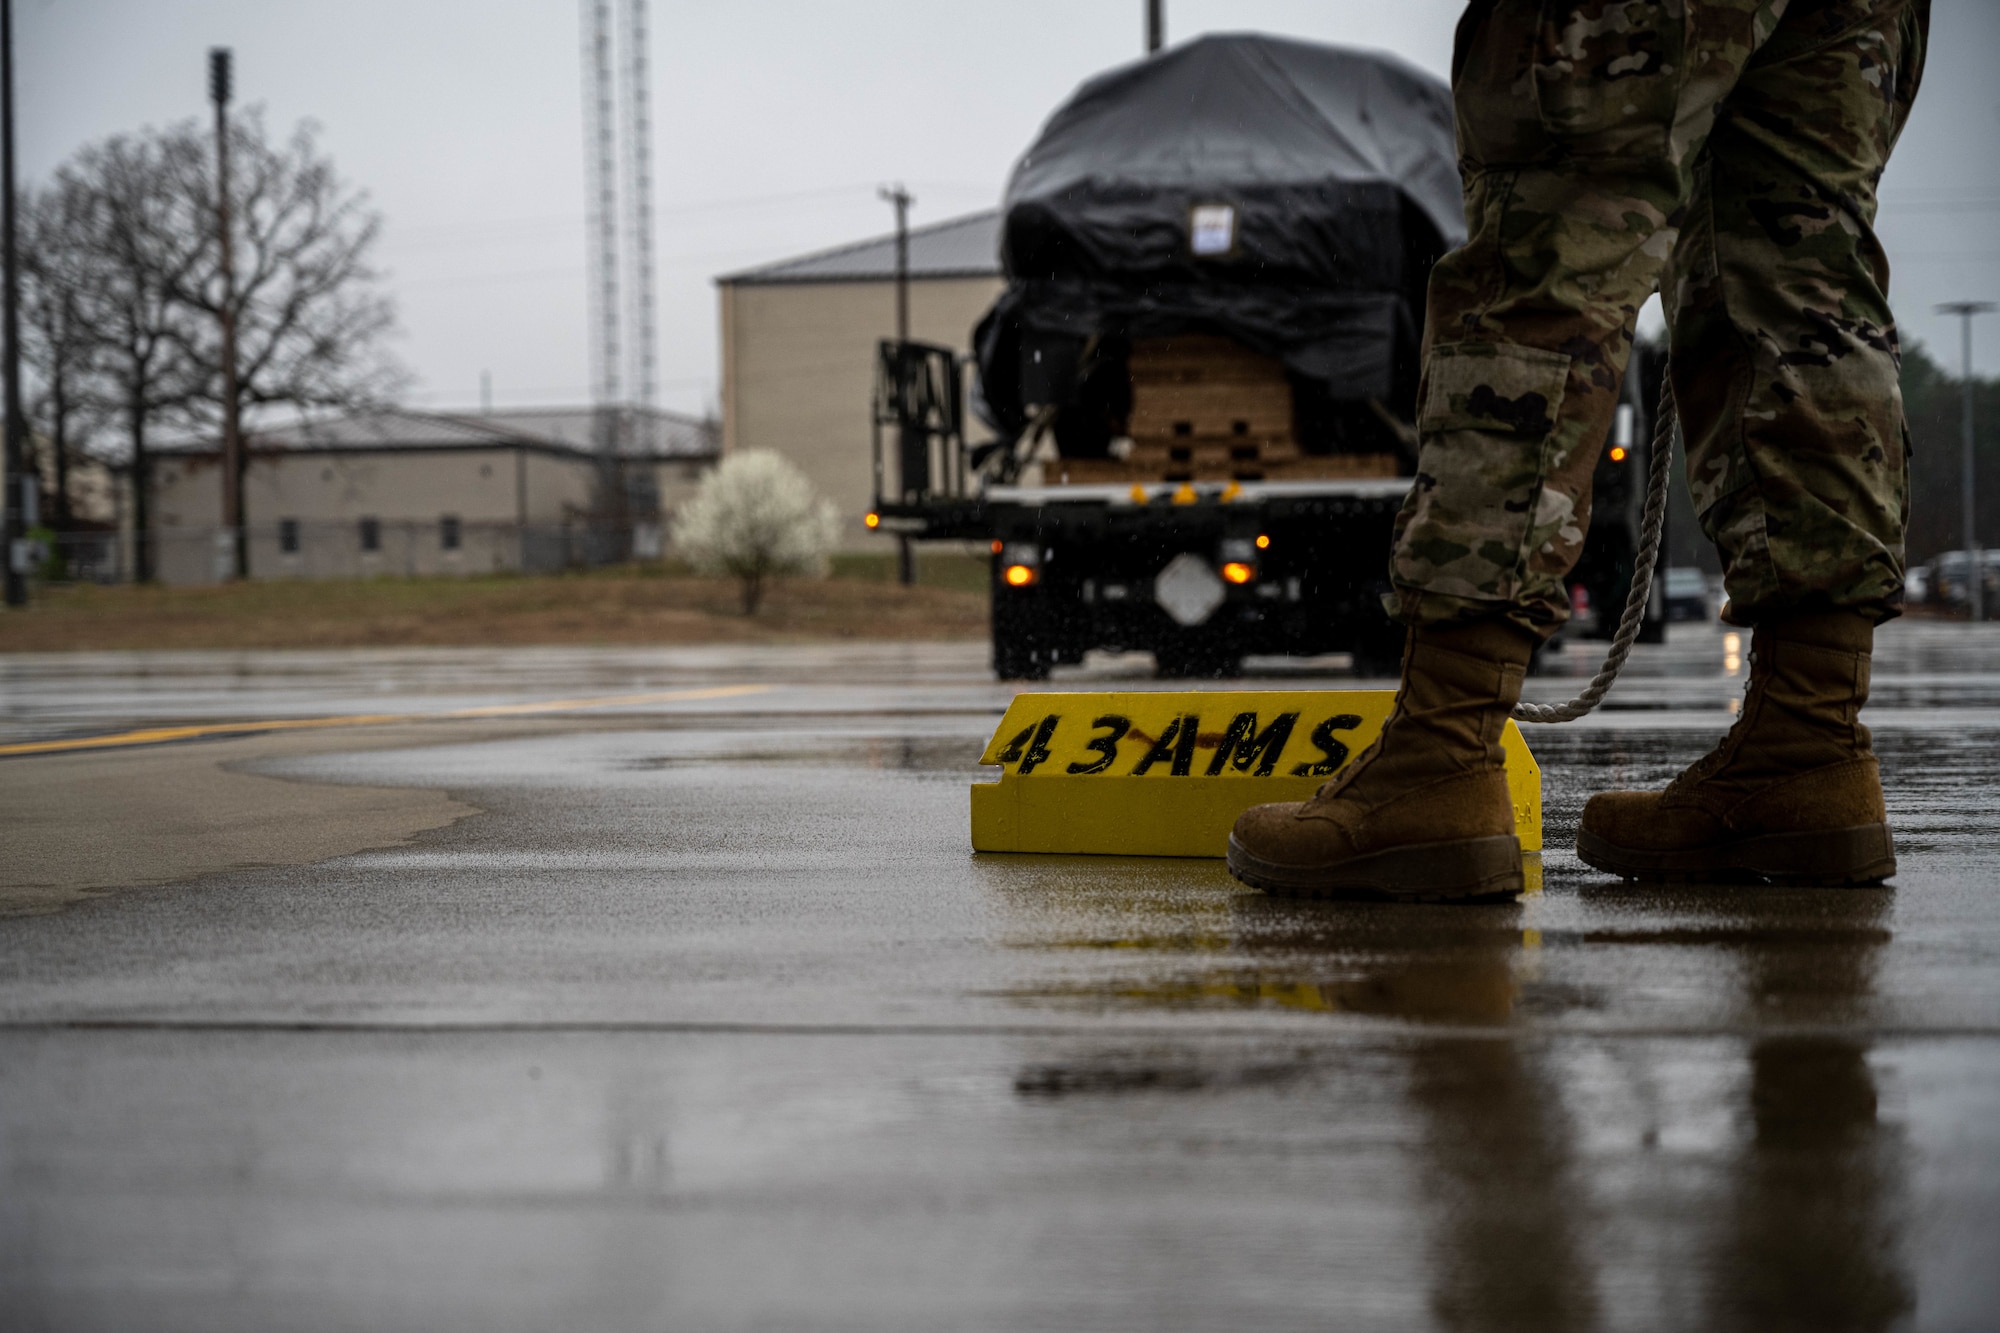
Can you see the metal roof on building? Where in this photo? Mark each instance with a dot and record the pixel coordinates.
(644, 433)
(391, 428)
(967, 247)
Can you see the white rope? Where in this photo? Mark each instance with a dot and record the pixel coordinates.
(1651, 522)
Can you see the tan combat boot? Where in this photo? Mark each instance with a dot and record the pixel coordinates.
(1424, 813)
(1791, 795)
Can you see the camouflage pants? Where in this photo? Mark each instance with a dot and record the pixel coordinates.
(1725, 152)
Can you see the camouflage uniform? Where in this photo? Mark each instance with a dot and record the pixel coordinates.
(1734, 147)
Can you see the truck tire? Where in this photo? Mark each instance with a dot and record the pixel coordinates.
(1013, 662)
(1024, 639)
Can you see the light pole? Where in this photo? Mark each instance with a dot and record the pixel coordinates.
(906, 559)
(1156, 25)
(1975, 562)
(232, 426)
(13, 530)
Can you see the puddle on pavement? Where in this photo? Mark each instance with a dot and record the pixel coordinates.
(1764, 1152)
(1130, 936)
(1202, 946)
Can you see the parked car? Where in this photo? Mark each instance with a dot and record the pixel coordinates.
(1946, 582)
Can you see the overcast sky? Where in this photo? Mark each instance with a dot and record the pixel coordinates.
(777, 120)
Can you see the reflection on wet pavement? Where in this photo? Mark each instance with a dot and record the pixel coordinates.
(1813, 1238)
(1564, 1183)
(1783, 1184)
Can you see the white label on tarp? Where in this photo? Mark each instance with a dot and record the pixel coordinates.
(1213, 229)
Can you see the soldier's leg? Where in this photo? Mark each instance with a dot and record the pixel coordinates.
(1578, 121)
(1784, 349)
(1784, 362)
(1579, 125)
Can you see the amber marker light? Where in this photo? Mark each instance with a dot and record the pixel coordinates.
(1238, 572)
(1019, 576)
(1617, 453)
(1263, 541)
(873, 520)
(997, 544)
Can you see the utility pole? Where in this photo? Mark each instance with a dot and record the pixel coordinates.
(13, 528)
(1975, 562)
(233, 462)
(1156, 25)
(906, 556)
(898, 196)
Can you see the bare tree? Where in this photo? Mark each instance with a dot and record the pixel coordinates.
(123, 262)
(56, 339)
(311, 327)
(128, 244)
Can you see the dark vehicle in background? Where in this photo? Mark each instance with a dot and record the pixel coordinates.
(1203, 370)
(1942, 581)
(1688, 596)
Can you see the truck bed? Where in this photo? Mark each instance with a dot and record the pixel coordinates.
(1241, 492)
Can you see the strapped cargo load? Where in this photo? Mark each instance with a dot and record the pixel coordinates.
(1216, 260)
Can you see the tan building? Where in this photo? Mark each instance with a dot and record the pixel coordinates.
(799, 344)
(399, 492)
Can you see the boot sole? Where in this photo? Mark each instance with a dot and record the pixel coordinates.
(1424, 873)
(1835, 858)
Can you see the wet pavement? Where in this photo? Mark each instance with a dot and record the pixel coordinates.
(710, 1019)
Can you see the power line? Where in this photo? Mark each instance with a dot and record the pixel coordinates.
(570, 271)
(454, 233)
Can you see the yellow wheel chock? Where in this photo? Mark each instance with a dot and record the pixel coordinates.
(1166, 773)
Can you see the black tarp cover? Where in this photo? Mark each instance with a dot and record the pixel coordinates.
(1340, 166)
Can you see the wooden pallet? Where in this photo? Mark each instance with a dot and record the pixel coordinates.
(1206, 408)
(1201, 386)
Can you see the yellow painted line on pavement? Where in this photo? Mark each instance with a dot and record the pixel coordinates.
(161, 735)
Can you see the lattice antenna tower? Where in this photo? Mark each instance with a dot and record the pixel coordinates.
(601, 198)
(639, 198)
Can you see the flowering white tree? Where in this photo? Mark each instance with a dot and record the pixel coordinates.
(756, 518)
